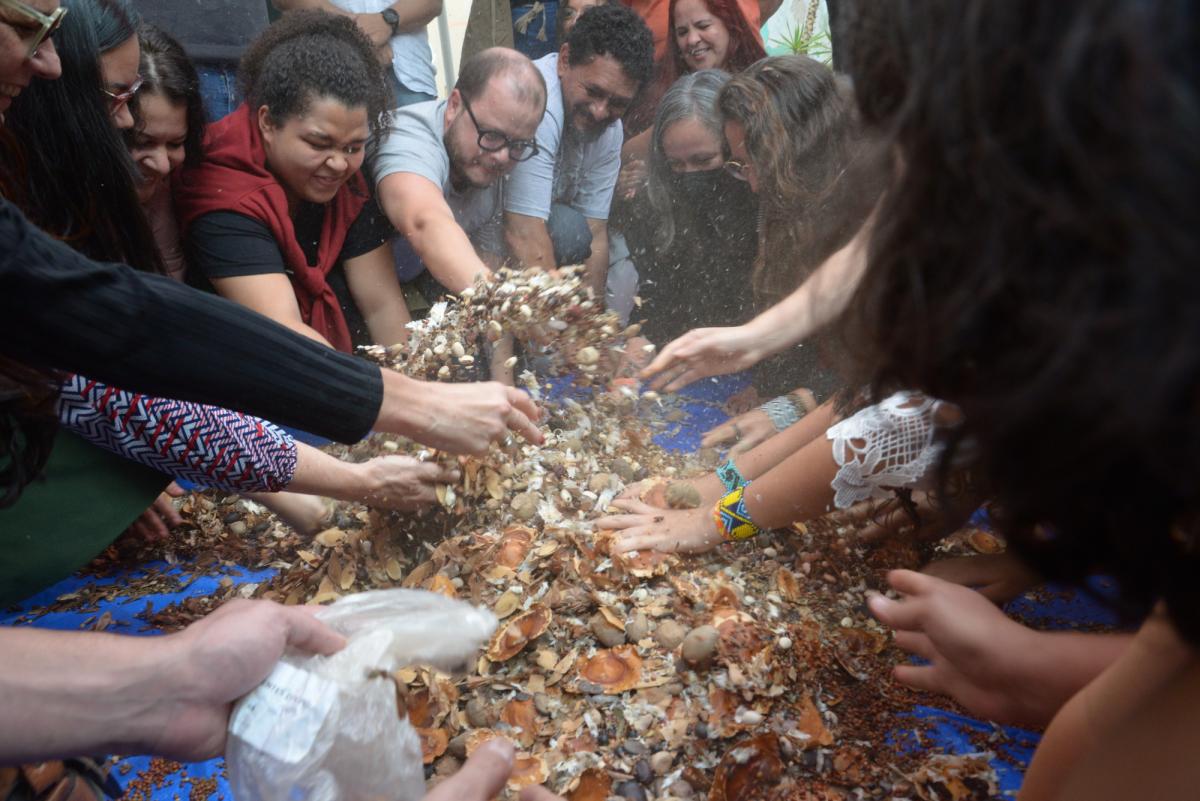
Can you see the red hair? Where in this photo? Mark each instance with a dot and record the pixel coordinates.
(745, 48)
(744, 45)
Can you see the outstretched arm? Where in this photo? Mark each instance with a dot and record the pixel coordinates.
(418, 210)
(705, 352)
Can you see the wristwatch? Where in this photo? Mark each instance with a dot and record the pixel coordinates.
(391, 18)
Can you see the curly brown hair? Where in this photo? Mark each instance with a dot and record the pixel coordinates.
(311, 54)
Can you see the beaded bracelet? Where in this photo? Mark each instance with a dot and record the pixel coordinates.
(730, 476)
(732, 519)
(782, 412)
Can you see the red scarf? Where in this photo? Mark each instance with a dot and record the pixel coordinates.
(233, 176)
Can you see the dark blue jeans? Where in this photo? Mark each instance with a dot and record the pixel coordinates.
(402, 95)
(218, 88)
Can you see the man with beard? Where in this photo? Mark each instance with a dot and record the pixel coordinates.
(556, 203)
(438, 168)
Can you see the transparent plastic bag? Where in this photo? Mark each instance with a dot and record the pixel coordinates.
(322, 728)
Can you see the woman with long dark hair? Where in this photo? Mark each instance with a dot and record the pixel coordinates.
(66, 143)
(1035, 262)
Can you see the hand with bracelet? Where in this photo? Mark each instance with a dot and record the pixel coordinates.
(678, 530)
(747, 430)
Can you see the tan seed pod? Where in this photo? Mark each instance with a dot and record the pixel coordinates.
(513, 636)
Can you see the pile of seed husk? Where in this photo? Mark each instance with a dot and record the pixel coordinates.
(750, 672)
(554, 314)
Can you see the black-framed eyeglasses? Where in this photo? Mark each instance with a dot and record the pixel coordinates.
(739, 170)
(49, 22)
(493, 141)
(118, 99)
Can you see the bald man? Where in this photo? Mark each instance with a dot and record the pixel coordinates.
(438, 169)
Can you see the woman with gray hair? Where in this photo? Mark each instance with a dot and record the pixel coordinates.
(694, 238)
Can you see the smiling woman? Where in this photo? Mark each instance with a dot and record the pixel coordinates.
(65, 143)
(277, 216)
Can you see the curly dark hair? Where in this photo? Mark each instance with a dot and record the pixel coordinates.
(167, 71)
(312, 54)
(1037, 262)
(614, 31)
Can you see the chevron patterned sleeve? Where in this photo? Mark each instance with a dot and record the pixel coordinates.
(206, 445)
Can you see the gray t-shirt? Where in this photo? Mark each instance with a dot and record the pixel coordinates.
(413, 143)
(579, 174)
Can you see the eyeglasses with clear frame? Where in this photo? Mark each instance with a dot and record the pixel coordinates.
(118, 99)
(49, 22)
(493, 141)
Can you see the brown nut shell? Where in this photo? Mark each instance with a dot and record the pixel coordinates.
(514, 544)
(512, 637)
(748, 770)
(614, 670)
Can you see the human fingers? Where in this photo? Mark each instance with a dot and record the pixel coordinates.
(643, 538)
(167, 512)
(481, 778)
(668, 357)
(304, 631)
(434, 473)
(920, 677)
(521, 416)
(916, 643)
(615, 522)
(719, 435)
(538, 793)
(139, 529)
(636, 506)
(689, 376)
(910, 582)
(174, 490)
(899, 615)
(153, 525)
(524, 404)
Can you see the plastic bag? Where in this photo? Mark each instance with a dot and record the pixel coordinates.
(321, 728)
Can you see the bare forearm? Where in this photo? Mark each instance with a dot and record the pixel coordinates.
(67, 693)
(318, 473)
(596, 266)
(815, 303)
(528, 242)
(416, 14)
(447, 253)
(798, 488)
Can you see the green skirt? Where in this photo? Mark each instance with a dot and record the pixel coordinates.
(61, 522)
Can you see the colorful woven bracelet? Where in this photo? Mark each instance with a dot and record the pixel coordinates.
(731, 518)
(730, 476)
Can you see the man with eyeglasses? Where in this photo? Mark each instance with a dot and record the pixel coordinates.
(556, 203)
(439, 166)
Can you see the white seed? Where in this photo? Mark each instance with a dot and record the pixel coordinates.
(784, 643)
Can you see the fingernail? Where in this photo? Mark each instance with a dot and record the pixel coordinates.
(501, 748)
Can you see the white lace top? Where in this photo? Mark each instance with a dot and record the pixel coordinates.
(891, 445)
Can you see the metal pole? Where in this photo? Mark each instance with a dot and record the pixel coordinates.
(448, 72)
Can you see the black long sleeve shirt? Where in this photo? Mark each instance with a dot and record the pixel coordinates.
(147, 333)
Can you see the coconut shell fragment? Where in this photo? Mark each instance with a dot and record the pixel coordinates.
(593, 785)
(515, 634)
(514, 544)
(611, 671)
(433, 744)
(748, 770)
